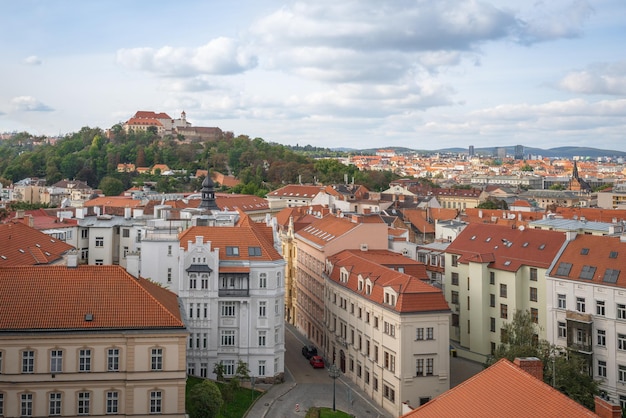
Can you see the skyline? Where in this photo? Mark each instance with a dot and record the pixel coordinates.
(353, 74)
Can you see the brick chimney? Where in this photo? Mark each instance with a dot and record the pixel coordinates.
(606, 409)
(531, 365)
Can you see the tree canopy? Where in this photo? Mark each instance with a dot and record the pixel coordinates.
(204, 400)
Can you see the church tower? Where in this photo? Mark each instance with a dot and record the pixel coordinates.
(208, 194)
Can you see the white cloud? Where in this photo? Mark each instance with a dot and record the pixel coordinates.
(29, 104)
(32, 60)
(219, 56)
(550, 20)
(603, 78)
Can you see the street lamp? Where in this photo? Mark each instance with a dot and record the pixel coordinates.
(334, 373)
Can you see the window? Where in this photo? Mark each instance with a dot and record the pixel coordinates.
(84, 234)
(430, 333)
(84, 360)
(261, 367)
(564, 269)
(492, 324)
(125, 232)
(419, 367)
(454, 261)
(156, 359)
(610, 276)
(83, 403)
(112, 400)
(193, 280)
(601, 368)
(420, 334)
(504, 311)
(503, 290)
(455, 279)
(1, 404)
(99, 241)
(227, 309)
(232, 251)
(204, 282)
(262, 338)
(99, 262)
(492, 300)
(254, 251)
(621, 373)
(228, 338)
(26, 404)
(429, 366)
(54, 404)
(533, 294)
(621, 311)
(169, 250)
(561, 301)
(492, 277)
(262, 309)
(156, 399)
(587, 272)
(580, 304)
(263, 281)
(533, 274)
(229, 367)
(534, 315)
(279, 279)
(454, 297)
(390, 361)
(601, 337)
(600, 307)
(562, 330)
(113, 359)
(28, 361)
(390, 329)
(56, 361)
(389, 393)
(621, 342)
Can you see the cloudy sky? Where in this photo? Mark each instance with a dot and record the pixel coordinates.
(422, 74)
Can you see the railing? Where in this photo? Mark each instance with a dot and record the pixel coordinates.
(233, 292)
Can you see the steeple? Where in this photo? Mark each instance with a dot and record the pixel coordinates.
(208, 193)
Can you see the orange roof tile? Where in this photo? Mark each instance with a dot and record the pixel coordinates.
(413, 294)
(58, 297)
(502, 390)
(506, 248)
(241, 236)
(114, 201)
(23, 245)
(296, 191)
(322, 231)
(594, 257)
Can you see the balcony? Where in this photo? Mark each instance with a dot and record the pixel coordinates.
(234, 292)
(579, 332)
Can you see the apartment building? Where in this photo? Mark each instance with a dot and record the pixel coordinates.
(491, 272)
(386, 330)
(89, 340)
(586, 306)
(314, 243)
(230, 280)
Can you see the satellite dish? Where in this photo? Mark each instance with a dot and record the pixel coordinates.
(521, 227)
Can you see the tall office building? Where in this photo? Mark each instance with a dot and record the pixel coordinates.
(471, 151)
(519, 152)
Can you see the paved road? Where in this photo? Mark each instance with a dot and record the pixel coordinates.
(309, 387)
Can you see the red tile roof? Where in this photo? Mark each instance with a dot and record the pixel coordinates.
(58, 298)
(296, 191)
(413, 294)
(322, 231)
(241, 235)
(502, 390)
(23, 245)
(506, 248)
(591, 256)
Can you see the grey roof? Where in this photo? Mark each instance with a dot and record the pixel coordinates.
(571, 225)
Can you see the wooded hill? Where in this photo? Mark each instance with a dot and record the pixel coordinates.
(89, 156)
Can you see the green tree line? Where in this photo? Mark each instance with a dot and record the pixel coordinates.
(92, 156)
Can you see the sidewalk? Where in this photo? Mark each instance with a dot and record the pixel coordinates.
(263, 403)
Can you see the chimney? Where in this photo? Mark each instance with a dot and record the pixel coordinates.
(604, 408)
(127, 212)
(531, 365)
(72, 259)
(570, 235)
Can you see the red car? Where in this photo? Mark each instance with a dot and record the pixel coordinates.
(317, 362)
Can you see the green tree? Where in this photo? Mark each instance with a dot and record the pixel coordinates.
(219, 370)
(204, 400)
(111, 186)
(565, 370)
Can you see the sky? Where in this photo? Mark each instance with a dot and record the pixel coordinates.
(420, 74)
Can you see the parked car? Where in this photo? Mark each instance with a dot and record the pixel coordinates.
(309, 351)
(317, 362)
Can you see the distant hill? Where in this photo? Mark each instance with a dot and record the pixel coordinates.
(559, 152)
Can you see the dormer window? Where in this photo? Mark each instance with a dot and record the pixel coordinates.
(232, 251)
(343, 275)
(390, 297)
(360, 284)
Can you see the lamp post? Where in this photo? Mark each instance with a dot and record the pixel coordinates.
(334, 373)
